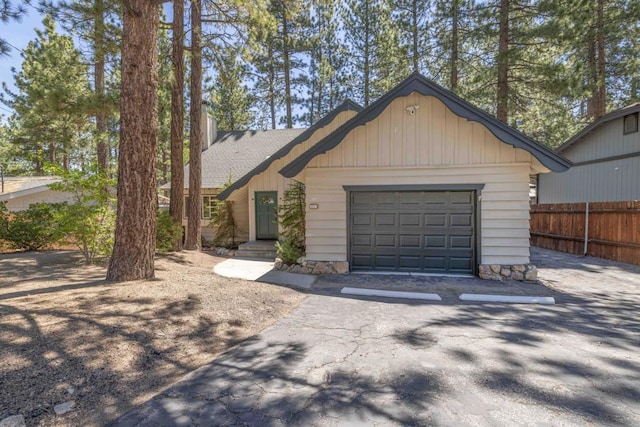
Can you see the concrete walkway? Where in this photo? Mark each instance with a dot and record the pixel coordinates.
(339, 361)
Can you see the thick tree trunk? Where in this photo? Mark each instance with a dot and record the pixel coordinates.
(102, 146)
(454, 46)
(503, 63)
(135, 240)
(176, 202)
(194, 233)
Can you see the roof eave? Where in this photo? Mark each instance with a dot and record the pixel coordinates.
(347, 105)
(420, 84)
(614, 115)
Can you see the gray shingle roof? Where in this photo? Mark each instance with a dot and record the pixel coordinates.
(236, 153)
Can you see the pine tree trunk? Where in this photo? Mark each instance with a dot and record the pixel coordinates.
(592, 81)
(414, 35)
(272, 95)
(195, 134)
(287, 66)
(366, 54)
(102, 147)
(176, 202)
(135, 240)
(601, 104)
(454, 47)
(503, 63)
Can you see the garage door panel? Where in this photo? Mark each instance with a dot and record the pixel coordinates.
(410, 219)
(386, 240)
(361, 219)
(385, 261)
(460, 219)
(410, 241)
(412, 263)
(437, 220)
(385, 219)
(361, 240)
(435, 241)
(460, 242)
(413, 231)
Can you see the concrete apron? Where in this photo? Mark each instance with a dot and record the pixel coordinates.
(391, 286)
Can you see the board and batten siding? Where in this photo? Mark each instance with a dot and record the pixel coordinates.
(606, 141)
(610, 181)
(432, 147)
(602, 180)
(271, 180)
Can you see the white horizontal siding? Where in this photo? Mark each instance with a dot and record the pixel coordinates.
(504, 208)
(46, 196)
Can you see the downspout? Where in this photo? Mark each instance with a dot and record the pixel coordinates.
(586, 229)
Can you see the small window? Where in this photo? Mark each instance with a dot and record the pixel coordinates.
(186, 207)
(631, 123)
(208, 206)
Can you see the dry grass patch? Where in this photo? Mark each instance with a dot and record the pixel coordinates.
(67, 335)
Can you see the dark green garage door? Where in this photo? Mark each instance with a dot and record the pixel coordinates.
(420, 231)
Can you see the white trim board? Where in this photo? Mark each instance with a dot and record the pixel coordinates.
(391, 294)
(507, 298)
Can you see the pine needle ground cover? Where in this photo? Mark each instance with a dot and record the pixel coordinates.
(67, 335)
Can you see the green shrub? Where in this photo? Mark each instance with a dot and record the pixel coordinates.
(289, 252)
(291, 217)
(89, 221)
(38, 227)
(167, 232)
(224, 223)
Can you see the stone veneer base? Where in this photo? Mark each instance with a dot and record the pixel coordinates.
(313, 267)
(521, 272)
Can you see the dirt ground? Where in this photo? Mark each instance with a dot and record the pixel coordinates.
(67, 335)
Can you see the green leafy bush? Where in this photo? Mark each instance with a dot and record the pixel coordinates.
(89, 221)
(38, 227)
(167, 232)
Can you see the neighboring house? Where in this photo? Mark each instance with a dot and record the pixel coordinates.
(20, 192)
(606, 162)
(419, 181)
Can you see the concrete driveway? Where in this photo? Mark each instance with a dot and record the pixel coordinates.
(345, 361)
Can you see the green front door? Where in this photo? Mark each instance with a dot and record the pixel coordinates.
(266, 215)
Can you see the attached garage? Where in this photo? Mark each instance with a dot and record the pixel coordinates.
(422, 181)
(412, 231)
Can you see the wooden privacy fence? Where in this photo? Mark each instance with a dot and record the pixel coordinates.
(609, 230)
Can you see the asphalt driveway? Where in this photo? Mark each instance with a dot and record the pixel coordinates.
(347, 361)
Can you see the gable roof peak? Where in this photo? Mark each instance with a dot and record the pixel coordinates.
(416, 82)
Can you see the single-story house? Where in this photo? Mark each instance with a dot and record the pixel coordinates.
(230, 156)
(606, 162)
(20, 192)
(419, 181)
